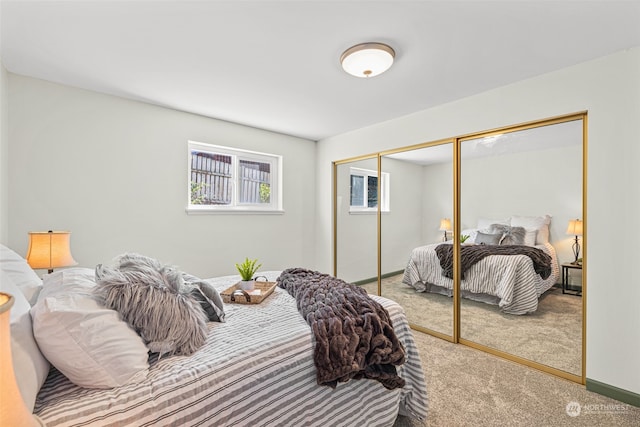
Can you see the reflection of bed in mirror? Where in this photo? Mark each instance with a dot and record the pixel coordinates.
(507, 262)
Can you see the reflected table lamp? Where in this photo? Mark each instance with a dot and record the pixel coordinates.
(445, 225)
(49, 249)
(13, 411)
(575, 229)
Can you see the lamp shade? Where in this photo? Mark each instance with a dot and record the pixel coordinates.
(13, 411)
(445, 224)
(575, 227)
(49, 249)
(367, 59)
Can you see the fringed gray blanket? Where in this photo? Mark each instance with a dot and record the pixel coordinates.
(472, 254)
(354, 337)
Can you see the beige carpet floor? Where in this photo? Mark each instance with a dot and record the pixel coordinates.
(551, 336)
(468, 387)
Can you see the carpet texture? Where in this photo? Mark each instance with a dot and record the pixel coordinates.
(551, 336)
(468, 387)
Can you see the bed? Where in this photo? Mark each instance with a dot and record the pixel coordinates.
(509, 281)
(256, 368)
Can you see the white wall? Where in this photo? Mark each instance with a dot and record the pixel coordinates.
(113, 172)
(401, 225)
(4, 157)
(532, 183)
(609, 88)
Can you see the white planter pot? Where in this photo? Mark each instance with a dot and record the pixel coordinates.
(247, 285)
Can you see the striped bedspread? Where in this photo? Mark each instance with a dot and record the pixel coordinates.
(511, 279)
(256, 369)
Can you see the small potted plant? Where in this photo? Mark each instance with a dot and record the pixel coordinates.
(247, 269)
(463, 238)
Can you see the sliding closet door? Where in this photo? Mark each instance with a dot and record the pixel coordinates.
(418, 201)
(522, 179)
(355, 221)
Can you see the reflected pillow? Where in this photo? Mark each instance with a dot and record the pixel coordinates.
(471, 232)
(510, 235)
(540, 224)
(484, 223)
(487, 238)
(530, 237)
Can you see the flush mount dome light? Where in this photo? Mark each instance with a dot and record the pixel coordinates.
(367, 59)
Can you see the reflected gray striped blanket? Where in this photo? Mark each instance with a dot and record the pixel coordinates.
(255, 370)
(510, 279)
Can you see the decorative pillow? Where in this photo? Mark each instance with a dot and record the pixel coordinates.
(20, 273)
(154, 300)
(537, 223)
(530, 237)
(484, 223)
(471, 232)
(510, 235)
(487, 239)
(29, 365)
(86, 341)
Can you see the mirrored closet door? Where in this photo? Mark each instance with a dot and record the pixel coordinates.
(520, 189)
(418, 215)
(407, 221)
(355, 221)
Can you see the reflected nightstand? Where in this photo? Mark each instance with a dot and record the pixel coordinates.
(565, 279)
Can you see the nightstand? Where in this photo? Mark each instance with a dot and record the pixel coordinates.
(565, 279)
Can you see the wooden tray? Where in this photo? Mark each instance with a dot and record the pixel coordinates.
(261, 291)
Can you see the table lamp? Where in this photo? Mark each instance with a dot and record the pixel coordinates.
(575, 229)
(13, 411)
(445, 225)
(49, 249)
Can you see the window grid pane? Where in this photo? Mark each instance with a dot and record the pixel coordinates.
(372, 191)
(357, 190)
(211, 178)
(255, 182)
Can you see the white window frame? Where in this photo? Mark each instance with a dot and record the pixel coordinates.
(275, 161)
(384, 191)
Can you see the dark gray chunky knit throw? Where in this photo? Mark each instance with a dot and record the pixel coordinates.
(470, 255)
(354, 337)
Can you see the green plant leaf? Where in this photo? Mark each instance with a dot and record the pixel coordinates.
(248, 268)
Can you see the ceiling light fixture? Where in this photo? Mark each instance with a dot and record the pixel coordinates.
(367, 59)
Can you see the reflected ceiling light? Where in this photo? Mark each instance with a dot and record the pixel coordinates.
(367, 59)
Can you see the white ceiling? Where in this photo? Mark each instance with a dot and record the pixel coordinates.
(275, 65)
(535, 139)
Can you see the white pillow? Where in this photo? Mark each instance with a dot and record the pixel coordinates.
(484, 223)
(87, 342)
(471, 232)
(21, 273)
(29, 365)
(537, 223)
(530, 237)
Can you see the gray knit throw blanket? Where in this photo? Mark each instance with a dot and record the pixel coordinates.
(354, 337)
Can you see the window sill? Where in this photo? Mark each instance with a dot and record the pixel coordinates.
(205, 211)
(368, 212)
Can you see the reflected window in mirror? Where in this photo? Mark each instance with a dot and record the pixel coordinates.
(364, 191)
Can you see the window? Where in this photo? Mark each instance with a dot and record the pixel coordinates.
(229, 179)
(364, 191)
